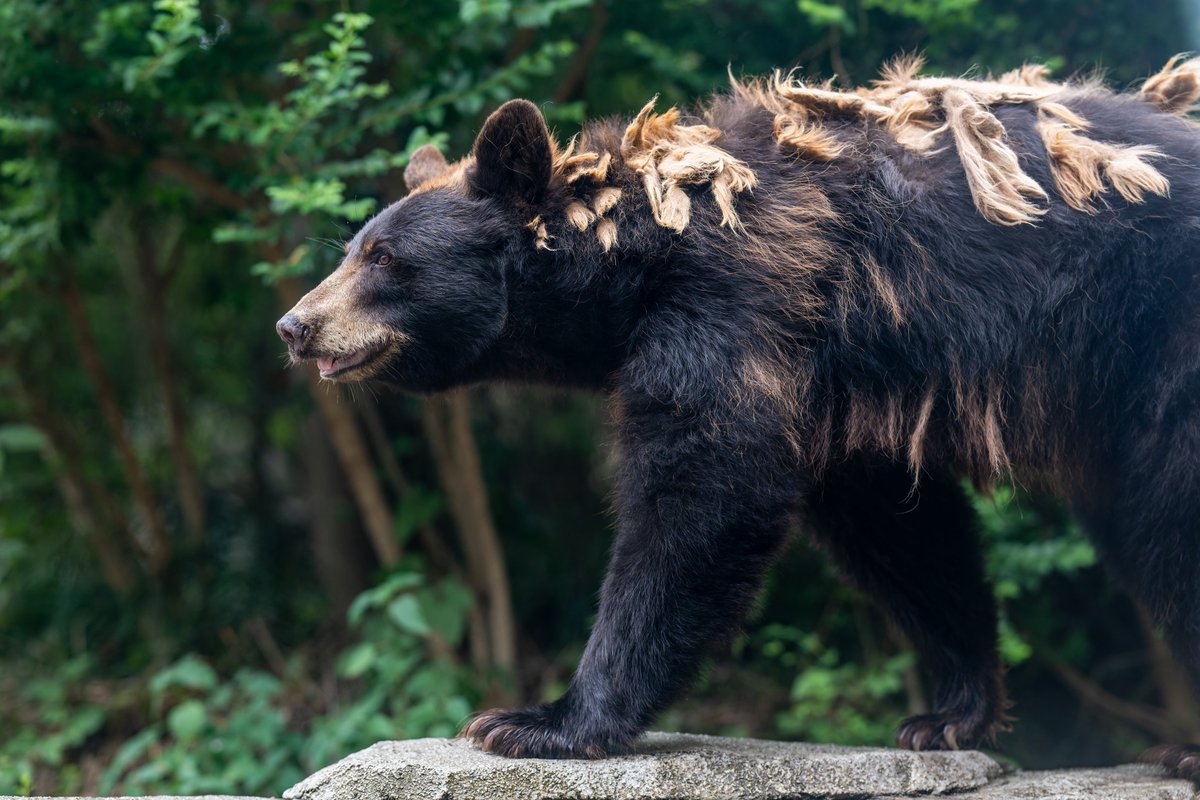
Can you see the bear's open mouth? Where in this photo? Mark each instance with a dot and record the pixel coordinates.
(335, 366)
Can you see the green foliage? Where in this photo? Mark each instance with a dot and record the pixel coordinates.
(214, 735)
(210, 737)
(421, 507)
(524, 15)
(27, 207)
(834, 699)
(927, 12)
(175, 27)
(53, 724)
(414, 688)
(1029, 540)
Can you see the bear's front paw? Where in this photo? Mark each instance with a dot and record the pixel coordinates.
(539, 732)
(1181, 760)
(941, 731)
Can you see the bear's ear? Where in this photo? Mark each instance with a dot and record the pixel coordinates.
(512, 154)
(425, 164)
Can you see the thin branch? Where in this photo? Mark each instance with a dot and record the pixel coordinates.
(520, 44)
(256, 626)
(1148, 718)
(201, 183)
(835, 56)
(158, 553)
(154, 299)
(77, 491)
(1174, 690)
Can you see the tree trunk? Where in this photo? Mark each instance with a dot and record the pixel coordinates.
(439, 554)
(341, 566)
(448, 427)
(351, 450)
(441, 557)
(65, 462)
(572, 82)
(914, 691)
(158, 549)
(356, 463)
(1174, 689)
(154, 299)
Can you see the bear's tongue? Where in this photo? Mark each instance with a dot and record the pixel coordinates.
(329, 364)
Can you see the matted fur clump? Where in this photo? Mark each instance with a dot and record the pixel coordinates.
(922, 113)
(669, 156)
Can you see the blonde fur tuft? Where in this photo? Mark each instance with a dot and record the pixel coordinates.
(1176, 87)
(605, 199)
(809, 141)
(580, 215)
(668, 156)
(541, 236)
(1083, 167)
(1002, 191)
(606, 233)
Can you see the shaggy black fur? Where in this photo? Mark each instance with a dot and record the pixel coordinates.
(1078, 337)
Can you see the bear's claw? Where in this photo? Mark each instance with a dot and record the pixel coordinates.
(940, 731)
(1181, 760)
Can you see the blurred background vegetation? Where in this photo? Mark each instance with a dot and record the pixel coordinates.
(217, 575)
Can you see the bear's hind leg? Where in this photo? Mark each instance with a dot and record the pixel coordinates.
(1144, 516)
(915, 552)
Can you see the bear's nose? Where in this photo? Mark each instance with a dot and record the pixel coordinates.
(292, 331)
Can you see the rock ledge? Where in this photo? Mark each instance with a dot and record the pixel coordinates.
(683, 767)
(663, 767)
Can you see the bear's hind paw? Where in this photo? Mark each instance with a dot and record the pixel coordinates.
(1181, 760)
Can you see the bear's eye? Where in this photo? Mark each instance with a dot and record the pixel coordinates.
(383, 260)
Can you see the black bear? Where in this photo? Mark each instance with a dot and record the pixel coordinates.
(828, 307)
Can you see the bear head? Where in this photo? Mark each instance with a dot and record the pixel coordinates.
(420, 296)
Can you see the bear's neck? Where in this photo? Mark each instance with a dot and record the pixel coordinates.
(568, 324)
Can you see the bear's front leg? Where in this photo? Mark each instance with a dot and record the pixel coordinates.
(704, 500)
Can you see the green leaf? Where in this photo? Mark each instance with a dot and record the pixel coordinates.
(406, 612)
(541, 13)
(445, 607)
(188, 672)
(187, 720)
(21, 438)
(381, 595)
(357, 661)
(826, 15)
(419, 507)
(128, 755)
